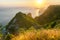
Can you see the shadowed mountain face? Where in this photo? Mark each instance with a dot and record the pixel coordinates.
(51, 14)
(21, 20)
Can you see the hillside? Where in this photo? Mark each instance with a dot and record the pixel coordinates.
(21, 20)
(51, 14)
(43, 27)
(50, 17)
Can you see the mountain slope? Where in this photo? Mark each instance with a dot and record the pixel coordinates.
(51, 14)
(21, 21)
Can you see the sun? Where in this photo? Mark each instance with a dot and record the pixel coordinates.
(39, 1)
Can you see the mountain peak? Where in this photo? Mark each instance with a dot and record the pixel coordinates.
(51, 14)
(21, 20)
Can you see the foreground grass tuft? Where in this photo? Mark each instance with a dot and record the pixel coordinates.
(44, 34)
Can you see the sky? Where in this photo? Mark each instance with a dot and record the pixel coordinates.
(26, 3)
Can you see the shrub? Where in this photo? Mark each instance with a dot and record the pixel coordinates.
(43, 34)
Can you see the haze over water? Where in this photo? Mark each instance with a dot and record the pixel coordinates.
(6, 14)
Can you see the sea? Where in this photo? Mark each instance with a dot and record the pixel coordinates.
(7, 13)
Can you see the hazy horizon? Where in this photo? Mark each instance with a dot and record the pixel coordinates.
(6, 14)
(27, 3)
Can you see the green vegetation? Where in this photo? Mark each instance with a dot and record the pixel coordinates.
(50, 15)
(40, 34)
(21, 21)
(24, 27)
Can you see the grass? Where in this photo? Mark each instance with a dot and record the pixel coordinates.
(43, 34)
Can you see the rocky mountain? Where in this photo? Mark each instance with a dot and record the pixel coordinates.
(51, 14)
(29, 14)
(21, 20)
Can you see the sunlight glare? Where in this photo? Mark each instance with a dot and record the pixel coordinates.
(39, 1)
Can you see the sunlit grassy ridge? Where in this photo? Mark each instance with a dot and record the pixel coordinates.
(43, 34)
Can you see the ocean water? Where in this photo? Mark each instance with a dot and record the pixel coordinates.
(6, 14)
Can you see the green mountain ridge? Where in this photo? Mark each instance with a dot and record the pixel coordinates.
(21, 20)
(51, 14)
